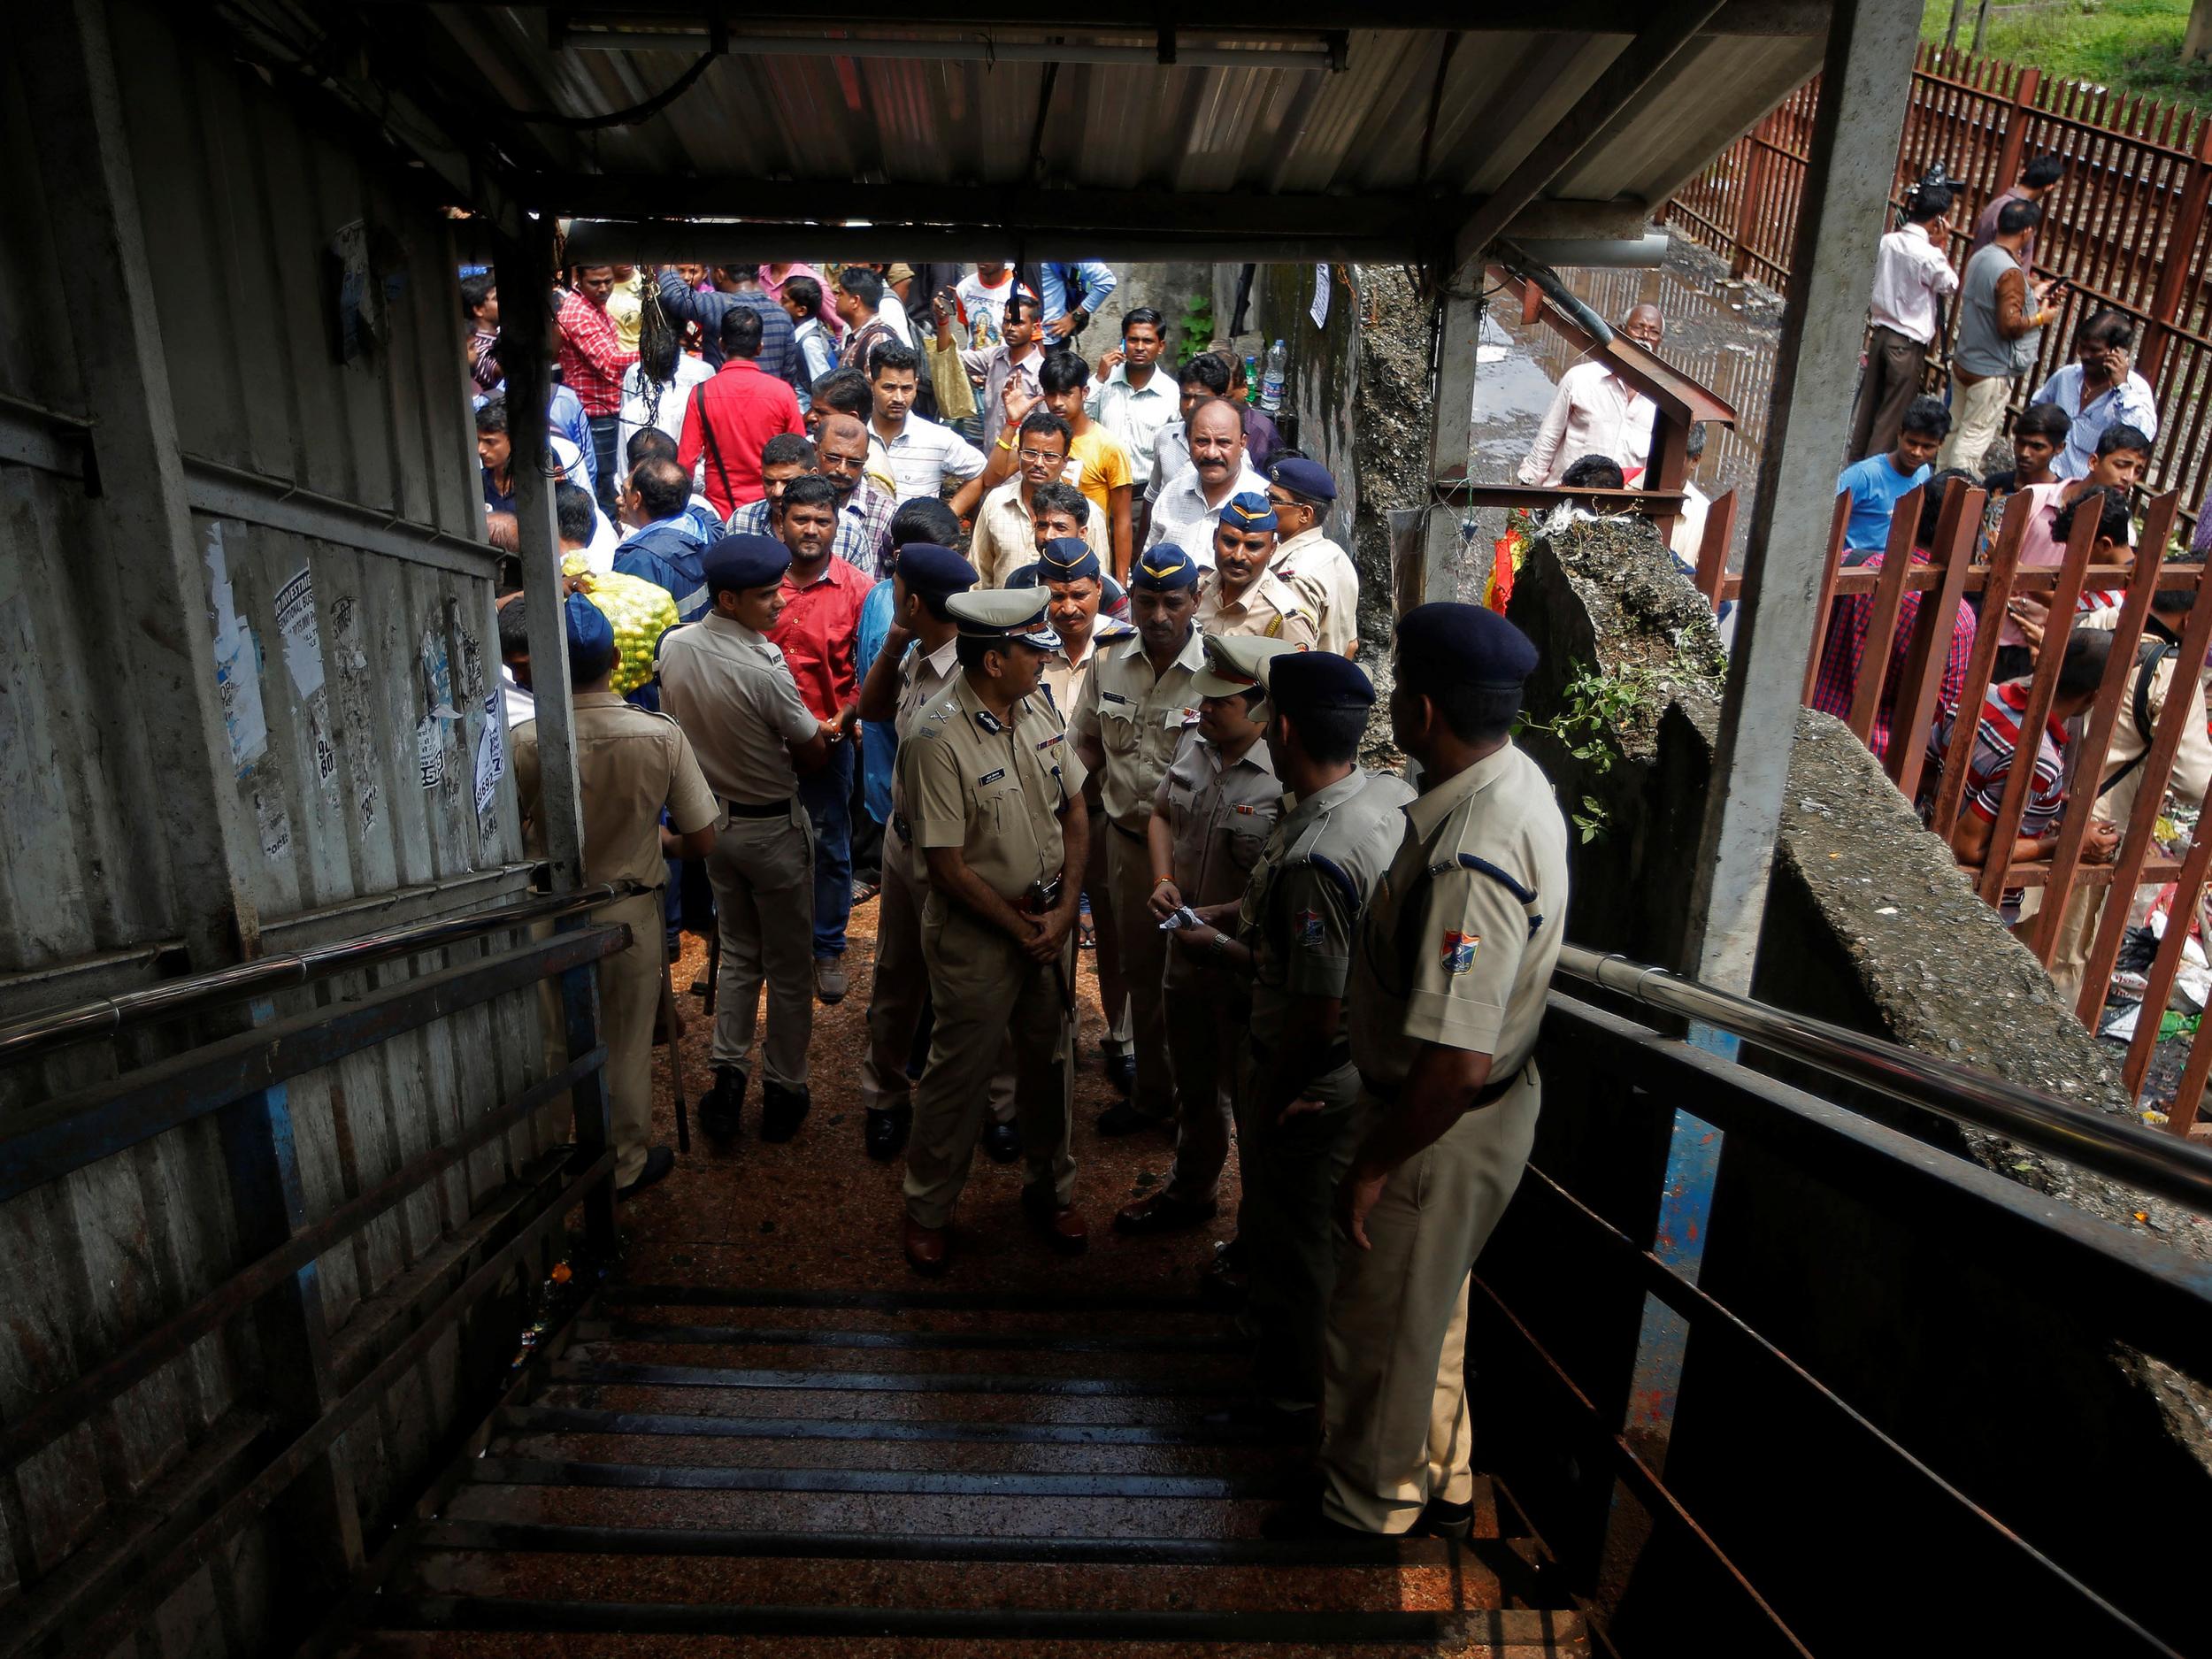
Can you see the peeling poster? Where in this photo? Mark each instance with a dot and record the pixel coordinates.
(237, 662)
(295, 627)
(430, 751)
(491, 756)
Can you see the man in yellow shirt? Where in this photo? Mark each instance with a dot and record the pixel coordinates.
(1097, 463)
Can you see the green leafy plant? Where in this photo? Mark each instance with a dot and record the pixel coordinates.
(1196, 325)
(1593, 707)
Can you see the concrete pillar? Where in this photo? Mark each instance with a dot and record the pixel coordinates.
(526, 283)
(1452, 427)
(1863, 89)
(145, 524)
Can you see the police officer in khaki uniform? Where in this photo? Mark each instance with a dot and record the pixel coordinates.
(1210, 817)
(1294, 929)
(1449, 979)
(913, 672)
(1302, 492)
(729, 687)
(1241, 594)
(1069, 569)
(1127, 724)
(995, 799)
(630, 766)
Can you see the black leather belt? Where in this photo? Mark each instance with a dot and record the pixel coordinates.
(1134, 835)
(1489, 1094)
(1338, 1054)
(765, 809)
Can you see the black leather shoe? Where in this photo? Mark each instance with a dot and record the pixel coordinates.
(659, 1162)
(782, 1110)
(1121, 1072)
(1003, 1142)
(1122, 1119)
(1440, 1519)
(1160, 1213)
(721, 1108)
(1306, 1521)
(885, 1136)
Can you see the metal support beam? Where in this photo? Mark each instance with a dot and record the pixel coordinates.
(1675, 26)
(525, 288)
(142, 517)
(1863, 88)
(1458, 325)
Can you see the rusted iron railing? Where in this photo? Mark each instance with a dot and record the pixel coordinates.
(1964, 565)
(2128, 229)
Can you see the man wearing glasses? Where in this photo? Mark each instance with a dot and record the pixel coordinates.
(1597, 413)
(1005, 534)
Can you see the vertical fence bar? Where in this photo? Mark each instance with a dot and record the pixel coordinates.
(1920, 695)
(2174, 273)
(2166, 965)
(2013, 142)
(1712, 549)
(2042, 692)
(1881, 626)
(593, 1128)
(2004, 560)
(1757, 166)
(2086, 767)
(1839, 521)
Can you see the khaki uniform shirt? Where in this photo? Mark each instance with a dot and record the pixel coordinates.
(1270, 608)
(629, 763)
(1327, 580)
(994, 790)
(1005, 536)
(1302, 906)
(1064, 676)
(1456, 954)
(1219, 817)
(1137, 718)
(2193, 758)
(924, 679)
(733, 693)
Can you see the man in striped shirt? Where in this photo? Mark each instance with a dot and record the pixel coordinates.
(1996, 752)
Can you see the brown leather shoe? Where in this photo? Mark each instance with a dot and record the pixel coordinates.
(1158, 1212)
(926, 1247)
(1061, 1225)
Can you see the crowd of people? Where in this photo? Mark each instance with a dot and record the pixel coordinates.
(1076, 653)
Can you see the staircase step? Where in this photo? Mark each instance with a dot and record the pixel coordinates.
(1444, 1581)
(1344, 1635)
(836, 1404)
(1172, 1383)
(665, 1325)
(517, 1471)
(1225, 1365)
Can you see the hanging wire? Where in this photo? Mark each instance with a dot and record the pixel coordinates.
(630, 117)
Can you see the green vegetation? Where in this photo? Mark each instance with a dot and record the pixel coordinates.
(2132, 46)
(1595, 709)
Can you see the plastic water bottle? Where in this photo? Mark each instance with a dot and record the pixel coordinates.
(1271, 378)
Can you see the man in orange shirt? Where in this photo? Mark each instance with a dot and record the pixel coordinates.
(1097, 463)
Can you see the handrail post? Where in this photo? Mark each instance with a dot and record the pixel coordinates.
(316, 1531)
(2013, 143)
(1757, 162)
(588, 1100)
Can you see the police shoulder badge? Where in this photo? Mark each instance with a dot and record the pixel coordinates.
(1307, 928)
(1459, 951)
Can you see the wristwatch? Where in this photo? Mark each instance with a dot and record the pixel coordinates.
(1220, 944)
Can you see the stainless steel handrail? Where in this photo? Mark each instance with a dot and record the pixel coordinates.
(2142, 1157)
(105, 1015)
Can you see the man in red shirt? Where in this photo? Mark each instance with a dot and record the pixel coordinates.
(819, 636)
(591, 361)
(732, 416)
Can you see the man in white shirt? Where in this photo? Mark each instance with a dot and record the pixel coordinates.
(1134, 402)
(1204, 376)
(922, 456)
(1910, 277)
(1597, 413)
(1189, 507)
(1302, 492)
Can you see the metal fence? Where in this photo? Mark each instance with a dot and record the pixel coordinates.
(1962, 565)
(2127, 229)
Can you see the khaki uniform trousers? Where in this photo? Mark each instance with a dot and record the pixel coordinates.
(1205, 1021)
(762, 870)
(1113, 984)
(1394, 1408)
(983, 984)
(1143, 961)
(899, 989)
(629, 1001)
(1286, 1224)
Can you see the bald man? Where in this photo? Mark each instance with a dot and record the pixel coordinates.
(863, 507)
(1597, 413)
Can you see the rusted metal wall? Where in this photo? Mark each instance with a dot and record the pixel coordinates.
(348, 607)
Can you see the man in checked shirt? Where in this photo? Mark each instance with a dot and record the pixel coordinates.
(592, 362)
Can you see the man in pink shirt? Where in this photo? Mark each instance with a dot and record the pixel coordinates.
(818, 634)
(729, 417)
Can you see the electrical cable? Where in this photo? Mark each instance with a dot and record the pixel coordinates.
(630, 117)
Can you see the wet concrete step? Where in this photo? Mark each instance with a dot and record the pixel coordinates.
(931, 1633)
(1437, 1578)
(686, 1327)
(1174, 1381)
(1176, 1317)
(753, 1477)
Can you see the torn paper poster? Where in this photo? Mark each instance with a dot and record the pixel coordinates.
(430, 751)
(491, 756)
(237, 662)
(1321, 293)
(295, 627)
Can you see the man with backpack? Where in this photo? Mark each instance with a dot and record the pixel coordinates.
(727, 421)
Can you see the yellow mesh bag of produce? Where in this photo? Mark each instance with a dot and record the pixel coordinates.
(640, 611)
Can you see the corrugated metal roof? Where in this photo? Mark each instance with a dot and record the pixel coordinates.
(787, 101)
